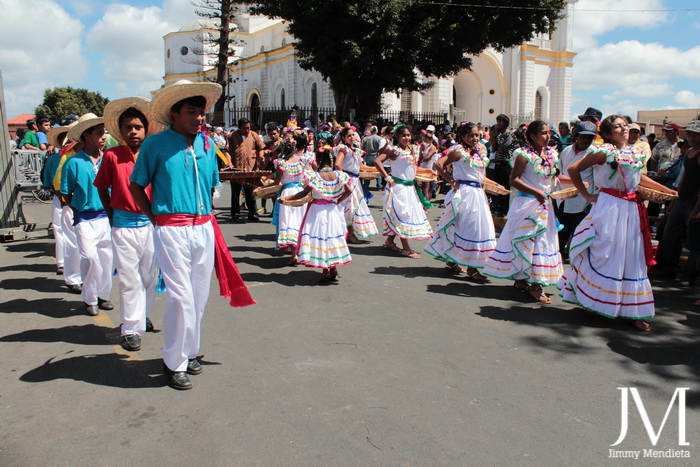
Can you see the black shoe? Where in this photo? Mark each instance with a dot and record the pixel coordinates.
(75, 288)
(194, 367)
(104, 304)
(235, 218)
(91, 310)
(149, 325)
(59, 271)
(132, 342)
(177, 379)
(253, 219)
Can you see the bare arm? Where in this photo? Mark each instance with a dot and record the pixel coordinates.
(517, 183)
(104, 197)
(591, 159)
(300, 195)
(139, 194)
(649, 183)
(379, 164)
(345, 195)
(449, 159)
(339, 159)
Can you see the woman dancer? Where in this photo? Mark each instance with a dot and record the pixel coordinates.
(357, 216)
(404, 211)
(528, 248)
(611, 248)
(465, 235)
(428, 157)
(289, 173)
(321, 241)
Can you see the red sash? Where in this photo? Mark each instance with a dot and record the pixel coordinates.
(179, 220)
(643, 219)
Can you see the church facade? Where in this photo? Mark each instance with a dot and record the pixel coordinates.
(531, 81)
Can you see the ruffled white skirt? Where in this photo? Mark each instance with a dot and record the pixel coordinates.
(465, 234)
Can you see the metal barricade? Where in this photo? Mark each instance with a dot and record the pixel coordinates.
(27, 166)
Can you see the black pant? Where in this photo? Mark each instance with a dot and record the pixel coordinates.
(501, 175)
(569, 222)
(236, 200)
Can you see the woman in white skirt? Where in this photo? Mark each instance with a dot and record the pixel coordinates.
(321, 241)
(404, 210)
(465, 236)
(289, 172)
(528, 248)
(611, 248)
(357, 216)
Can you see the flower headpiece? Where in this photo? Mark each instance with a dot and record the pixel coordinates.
(398, 127)
(324, 148)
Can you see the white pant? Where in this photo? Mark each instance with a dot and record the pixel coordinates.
(56, 213)
(135, 260)
(186, 258)
(95, 246)
(71, 255)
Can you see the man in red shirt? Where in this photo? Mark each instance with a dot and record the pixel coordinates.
(128, 120)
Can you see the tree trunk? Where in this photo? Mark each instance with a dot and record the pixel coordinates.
(222, 61)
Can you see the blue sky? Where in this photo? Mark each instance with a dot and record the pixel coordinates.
(627, 60)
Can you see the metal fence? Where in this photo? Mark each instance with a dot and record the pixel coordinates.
(408, 117)
(27, 167)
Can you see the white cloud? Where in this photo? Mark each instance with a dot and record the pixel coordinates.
(629, 64)
(590, 24)
(130, 40)
(642, 90)
(37, 52)
(686, 99)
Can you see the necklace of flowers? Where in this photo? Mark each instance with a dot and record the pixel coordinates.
(547, 165)
(477, 155)
(409, 153)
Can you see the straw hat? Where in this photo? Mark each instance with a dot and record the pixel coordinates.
(84, 123)
(171, 95)
(54, 133)
(114, 109)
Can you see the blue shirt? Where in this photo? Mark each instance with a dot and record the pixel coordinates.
(77, 176)
(41, 137)
(167, 164)
(50, 169)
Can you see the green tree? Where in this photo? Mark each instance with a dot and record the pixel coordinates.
(221, 11)
(61, 102)
(368, 47)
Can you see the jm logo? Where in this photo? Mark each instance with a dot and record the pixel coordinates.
(653, 436)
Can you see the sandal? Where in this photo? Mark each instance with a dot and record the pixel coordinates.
(477, 277)
(410, 254)
(333, 277)
(292, 262)
(391, 246)
(538, 294)
(356, 241)
(522, 285)
(642, 325)
(454, 267)
(325, 278)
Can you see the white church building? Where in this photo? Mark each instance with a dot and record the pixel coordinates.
(531, 81)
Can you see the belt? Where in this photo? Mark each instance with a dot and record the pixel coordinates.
(86, 216)
(180, 220)
(352, 174)
(470, 183)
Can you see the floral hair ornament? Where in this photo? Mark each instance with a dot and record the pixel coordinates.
(398, 127)
(324, 148)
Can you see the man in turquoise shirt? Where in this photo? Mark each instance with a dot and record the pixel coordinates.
(180, 166)
(90, 219)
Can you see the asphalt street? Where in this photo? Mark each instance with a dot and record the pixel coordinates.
(401, 363)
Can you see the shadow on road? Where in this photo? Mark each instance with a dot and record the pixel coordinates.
(36, 249)
(40, 284)
(51, 307)
(412, 271)
(89, 334)
(301, 276)
(110, 369)
(34, 267)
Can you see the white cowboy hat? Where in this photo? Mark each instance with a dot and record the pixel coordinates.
(84, 123)
(170, 95)
(54, 133)
(114, 109)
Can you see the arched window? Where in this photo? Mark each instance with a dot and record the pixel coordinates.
(538, 106)
(282, 99)
(314, 95)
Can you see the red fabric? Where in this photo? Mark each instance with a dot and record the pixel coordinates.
(230, 281)
(180, 220)
(115, 169)
(643, 219)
